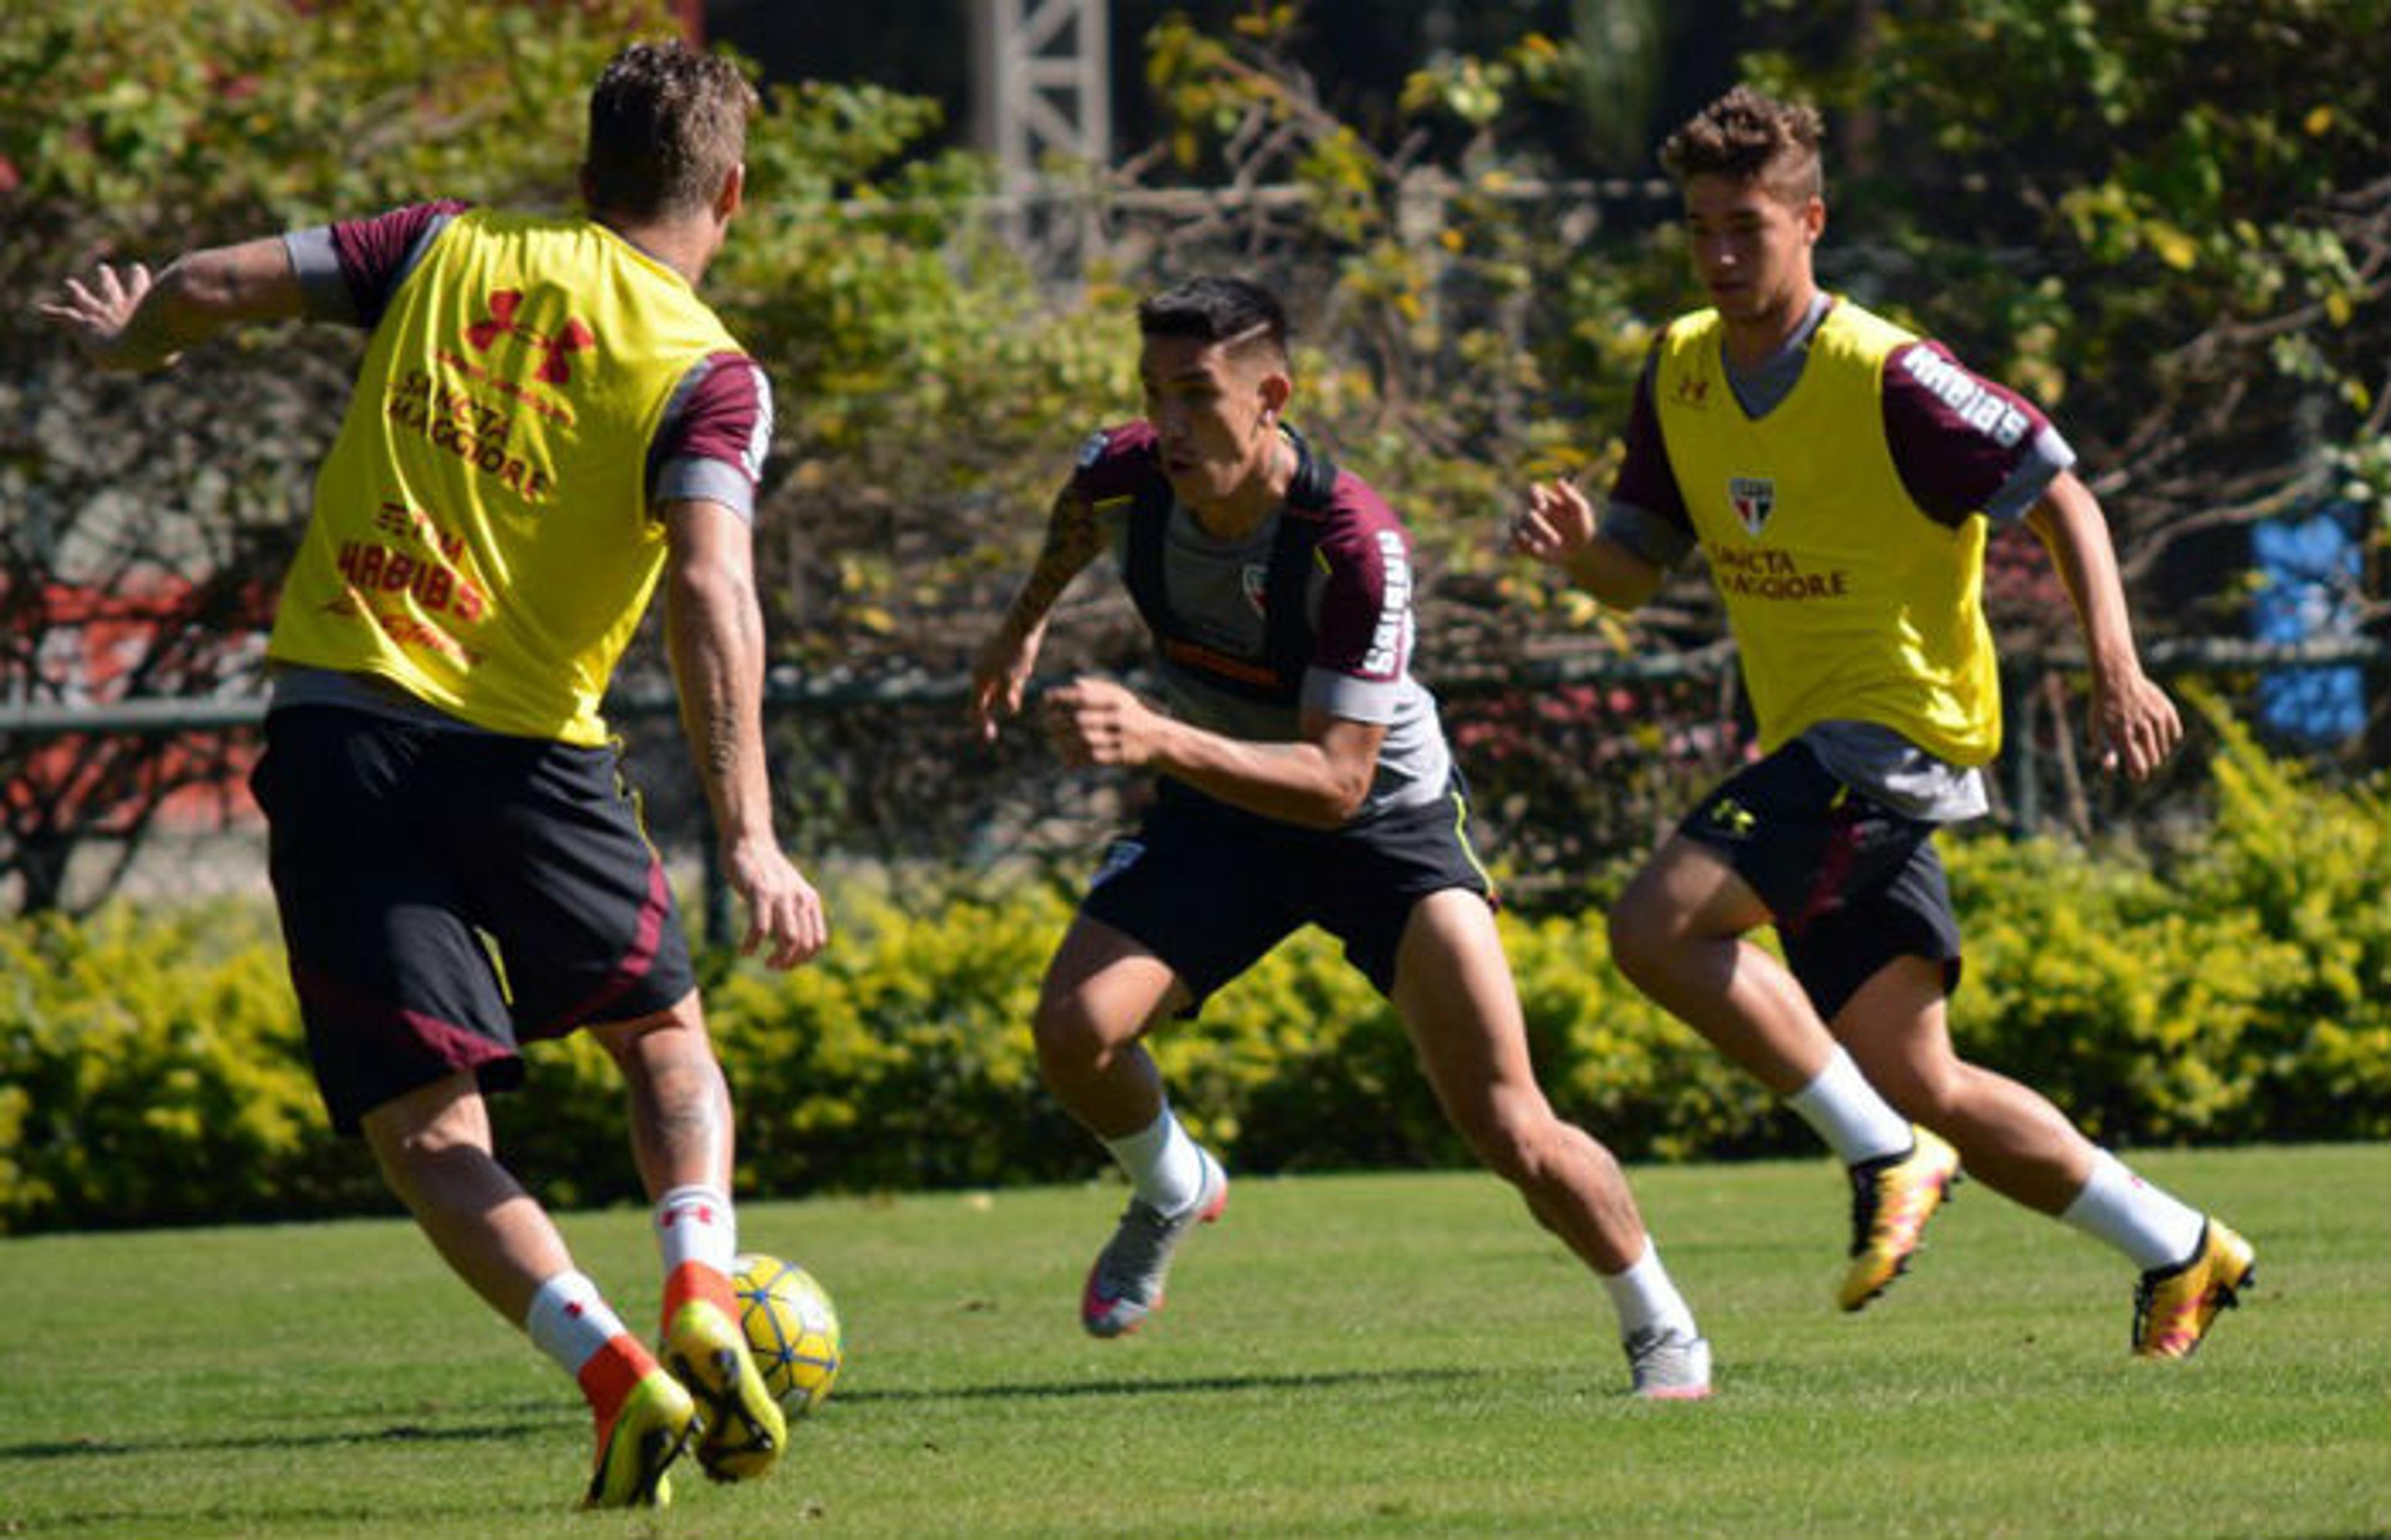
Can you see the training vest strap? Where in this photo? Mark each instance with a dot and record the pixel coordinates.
(1275, 678)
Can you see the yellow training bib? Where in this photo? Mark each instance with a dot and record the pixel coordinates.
(1847, 600)
(482, 536)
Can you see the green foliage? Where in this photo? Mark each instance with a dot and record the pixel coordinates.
(2197, 193)
(199, 119)
(2230, 997)
(902, 1058)
(152, 1069)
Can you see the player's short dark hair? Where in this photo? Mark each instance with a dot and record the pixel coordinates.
(666, 126)
(1215, 310)
(1747, 137)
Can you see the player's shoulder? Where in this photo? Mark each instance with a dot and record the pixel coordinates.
(1116, 459)
(1134, 439)
(1356, 522)
(1927, 389)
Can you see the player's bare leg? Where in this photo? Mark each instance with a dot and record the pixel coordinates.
(435, 1148)
(682, 1138)
(2017, 1143)
(1455, 992)
(2008, 1137)
(1678, 932)
(1102, 993)
(680, 1111)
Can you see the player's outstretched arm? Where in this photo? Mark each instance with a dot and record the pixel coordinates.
(713, 629)
(1000, 674)
(1558, 528)
(2134, 723)
(126, 320)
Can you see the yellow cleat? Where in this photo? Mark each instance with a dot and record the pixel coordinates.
(649, 1431)
(2174, 1306)
(744, 1428)
(1891, 1200)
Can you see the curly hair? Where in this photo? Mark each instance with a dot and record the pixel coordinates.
(666, 126)
(1745, 136)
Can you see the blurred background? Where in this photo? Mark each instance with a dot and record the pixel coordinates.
(2168, 224)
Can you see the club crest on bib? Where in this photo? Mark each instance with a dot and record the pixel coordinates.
(1253, 580)
(1753, 499)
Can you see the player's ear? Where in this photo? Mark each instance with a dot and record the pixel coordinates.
(1276, 387)
(734, 191)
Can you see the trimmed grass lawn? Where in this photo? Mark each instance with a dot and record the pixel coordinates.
(1342, 1356)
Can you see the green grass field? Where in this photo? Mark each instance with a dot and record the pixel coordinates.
(1367, 1355)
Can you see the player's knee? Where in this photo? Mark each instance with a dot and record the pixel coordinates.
(674, 1033)
(1520, 1145)
(1640, 936)
(1069, 1037)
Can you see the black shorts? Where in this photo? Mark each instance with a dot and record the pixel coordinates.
(1852, 884)
(1209, 888)
(448, 895)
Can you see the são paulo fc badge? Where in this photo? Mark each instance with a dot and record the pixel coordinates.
(1253, 579)
(1753, 498)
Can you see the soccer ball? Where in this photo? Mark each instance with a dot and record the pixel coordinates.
(792, 1328)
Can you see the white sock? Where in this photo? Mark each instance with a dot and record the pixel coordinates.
(1844, 1109)
(569, 1321)
(2147, 1225)
(1645, 1298)
(697, 1223)
(1163, 1164)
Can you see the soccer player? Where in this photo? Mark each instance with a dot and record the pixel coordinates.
(1839, 475)
(548, 419)
(1303, 777)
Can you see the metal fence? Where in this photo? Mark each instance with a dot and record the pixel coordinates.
(2038, 783)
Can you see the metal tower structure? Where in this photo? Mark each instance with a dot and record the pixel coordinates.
(1044, 75)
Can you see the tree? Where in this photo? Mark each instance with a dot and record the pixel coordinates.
(163, 509)
(2172, 220)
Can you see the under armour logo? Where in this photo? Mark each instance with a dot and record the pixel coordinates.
(554, 366)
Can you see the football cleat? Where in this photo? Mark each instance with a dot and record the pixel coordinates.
(639, 1443)
(743, 1426)
(2174, 1306)
(1891, 1199)
(1125, 1284)
(1668, 1364)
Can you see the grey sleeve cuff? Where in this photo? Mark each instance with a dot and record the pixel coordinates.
(701, 480)
(323, 290)
(2049, 454)
(1647, 537)
(1341, 695)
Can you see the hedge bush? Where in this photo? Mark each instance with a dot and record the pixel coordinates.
(152, 1071)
